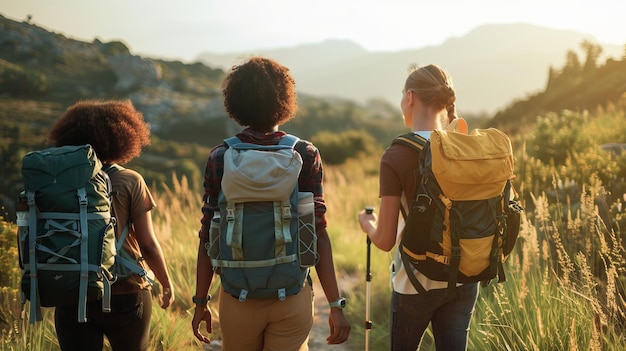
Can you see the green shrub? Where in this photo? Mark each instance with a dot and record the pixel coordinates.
(337, 148)
(21, 83)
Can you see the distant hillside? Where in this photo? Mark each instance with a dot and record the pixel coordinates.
(580, 84)
(42, 73)
(491, 65)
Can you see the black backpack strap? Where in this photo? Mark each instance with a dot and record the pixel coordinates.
(411, 140)
(111, 168)
(455, 255)
(417, 143)
(417, 217)
(409, 273)
(502, 214)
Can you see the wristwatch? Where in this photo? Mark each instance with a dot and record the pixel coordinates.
(341, 303)
(199, 301)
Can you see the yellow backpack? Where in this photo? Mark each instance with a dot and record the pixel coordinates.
(463, 220)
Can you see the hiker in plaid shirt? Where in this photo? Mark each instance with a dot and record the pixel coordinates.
(261, 95)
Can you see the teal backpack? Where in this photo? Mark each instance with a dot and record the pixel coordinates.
(67, 241)
(262, 245)
(66, 230)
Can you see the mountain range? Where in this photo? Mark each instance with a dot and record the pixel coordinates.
(491, 66)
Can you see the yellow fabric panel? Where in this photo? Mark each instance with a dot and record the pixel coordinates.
(474, 254)
(474, 166)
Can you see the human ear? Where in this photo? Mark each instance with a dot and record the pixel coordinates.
(409, 97)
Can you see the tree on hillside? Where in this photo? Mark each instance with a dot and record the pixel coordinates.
(593, 52)
(576, 86)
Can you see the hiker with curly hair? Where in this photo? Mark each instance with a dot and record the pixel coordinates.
(117, 132)
(260, 95)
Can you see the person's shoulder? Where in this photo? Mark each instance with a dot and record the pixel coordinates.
(305, 147)
(127, 175)
(402, 148)
(398, 152)
(217, 150)
(304, 142)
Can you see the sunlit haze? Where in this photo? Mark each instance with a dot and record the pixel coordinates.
(183, 29)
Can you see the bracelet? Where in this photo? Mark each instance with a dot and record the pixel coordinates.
(201, 301)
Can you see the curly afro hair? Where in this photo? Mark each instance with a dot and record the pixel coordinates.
(260, 94)
(115, 129)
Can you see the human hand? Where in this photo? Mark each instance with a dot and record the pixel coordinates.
(201, 313)
(166, 298)
(367, 220)
(339, 327)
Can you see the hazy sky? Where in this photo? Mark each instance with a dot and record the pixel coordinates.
(181, 29)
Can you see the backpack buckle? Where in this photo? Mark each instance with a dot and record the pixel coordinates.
(82, 196)
(282, 294)
(286, 212)
(243, 295)
(421, 204)
(230, 214)
(515, 207)
(30, 198)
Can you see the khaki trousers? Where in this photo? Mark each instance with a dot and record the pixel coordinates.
(266, 324)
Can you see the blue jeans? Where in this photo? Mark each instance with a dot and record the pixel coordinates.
(411, 314)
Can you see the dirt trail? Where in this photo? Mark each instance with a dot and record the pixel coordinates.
(320, 330)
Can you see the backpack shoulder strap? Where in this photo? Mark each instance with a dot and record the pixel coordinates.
(411, 140)
(416, 142)
(289, 140)
(111, 168)
(234, 140)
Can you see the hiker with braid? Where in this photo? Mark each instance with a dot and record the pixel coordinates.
(117, 132)
(428, 103)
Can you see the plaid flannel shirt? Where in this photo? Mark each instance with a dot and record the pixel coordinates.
(310, 179)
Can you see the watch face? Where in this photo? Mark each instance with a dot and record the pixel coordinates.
(340, 303)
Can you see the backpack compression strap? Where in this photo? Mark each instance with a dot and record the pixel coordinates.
(35, 311)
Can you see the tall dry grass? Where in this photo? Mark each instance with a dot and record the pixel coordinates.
(565, 286)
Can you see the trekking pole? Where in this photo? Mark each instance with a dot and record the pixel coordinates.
(368, 282)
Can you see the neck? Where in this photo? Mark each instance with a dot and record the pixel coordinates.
(428, 119)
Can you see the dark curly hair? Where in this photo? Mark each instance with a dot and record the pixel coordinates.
(115, 129)
(260, 94)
